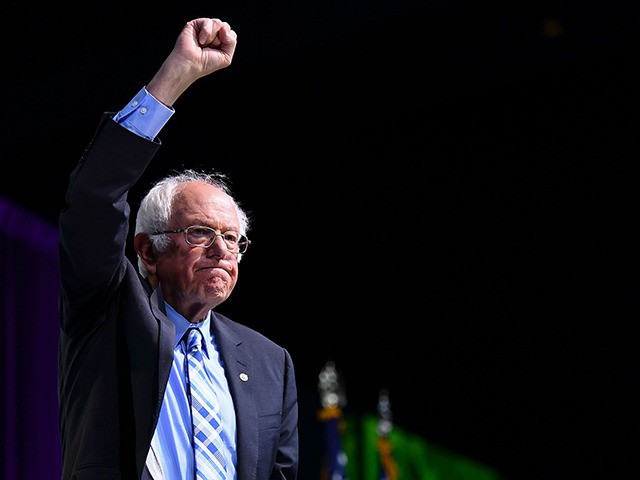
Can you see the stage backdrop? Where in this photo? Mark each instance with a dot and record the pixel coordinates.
(29, 329)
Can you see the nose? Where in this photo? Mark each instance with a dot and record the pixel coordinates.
(218, 248)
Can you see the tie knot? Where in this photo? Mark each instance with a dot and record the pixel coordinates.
(194, 339)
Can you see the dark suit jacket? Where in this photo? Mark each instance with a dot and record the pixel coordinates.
(116, 343)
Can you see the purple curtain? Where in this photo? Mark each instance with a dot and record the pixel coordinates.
(29, 285)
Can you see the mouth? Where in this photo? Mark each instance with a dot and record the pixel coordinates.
(212, 269)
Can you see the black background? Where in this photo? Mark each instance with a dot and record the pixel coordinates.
(443, 195)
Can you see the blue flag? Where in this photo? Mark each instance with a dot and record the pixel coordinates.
(333, 399)
(334, 460)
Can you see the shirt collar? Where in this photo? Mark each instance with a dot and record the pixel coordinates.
(182, 325)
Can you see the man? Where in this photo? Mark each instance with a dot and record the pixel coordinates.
(126, 390)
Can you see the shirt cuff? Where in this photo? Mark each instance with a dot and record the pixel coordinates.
(144, 115)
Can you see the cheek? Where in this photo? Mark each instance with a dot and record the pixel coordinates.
(176, 263)
(233, 272)
(234, 278)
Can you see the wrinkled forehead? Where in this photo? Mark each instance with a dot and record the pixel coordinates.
(204, 202)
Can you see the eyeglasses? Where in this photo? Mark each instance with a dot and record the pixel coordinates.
(200, 236)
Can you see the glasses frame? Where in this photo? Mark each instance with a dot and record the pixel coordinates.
(243, 241)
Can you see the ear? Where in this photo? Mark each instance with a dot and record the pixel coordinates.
(145, 251)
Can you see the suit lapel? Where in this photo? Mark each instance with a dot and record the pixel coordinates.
(166, 340)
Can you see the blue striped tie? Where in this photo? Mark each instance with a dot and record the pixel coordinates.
(205, 414)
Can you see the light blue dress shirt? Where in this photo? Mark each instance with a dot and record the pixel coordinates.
(144, 115)
(171, 444)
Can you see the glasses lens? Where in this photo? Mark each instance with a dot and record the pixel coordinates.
(200, 236)
(243, 244)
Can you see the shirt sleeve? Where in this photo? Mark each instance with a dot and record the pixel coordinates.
(144, 115)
